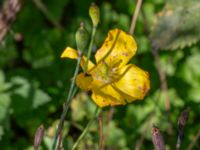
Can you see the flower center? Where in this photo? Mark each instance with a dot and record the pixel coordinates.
(104, 73)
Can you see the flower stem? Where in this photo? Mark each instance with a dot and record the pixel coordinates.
(72, 92)
(135, 16)
(85, 70)
(90, 48)
(86, 128)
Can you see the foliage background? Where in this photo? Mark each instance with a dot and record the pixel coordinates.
(34, 80)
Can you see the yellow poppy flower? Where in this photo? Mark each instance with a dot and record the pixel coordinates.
(113, 81)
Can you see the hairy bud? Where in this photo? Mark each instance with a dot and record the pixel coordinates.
(82, 37)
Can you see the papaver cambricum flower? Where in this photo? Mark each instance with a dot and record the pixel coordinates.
(113, 81)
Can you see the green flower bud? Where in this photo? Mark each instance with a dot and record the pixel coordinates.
(94, 14)
(82, 37)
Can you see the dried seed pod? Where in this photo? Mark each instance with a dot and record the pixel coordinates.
(157, 139)
(181, 123)
(183, 118)
(39, 134)
(8, 15)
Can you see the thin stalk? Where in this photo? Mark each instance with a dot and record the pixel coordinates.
(100, 132)
(85, 70)
(135, 16)
(72, 90)
(41, 6)
(90, 48)
(86, 129)
(66, 104)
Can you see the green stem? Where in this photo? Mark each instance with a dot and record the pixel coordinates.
(66, 104)
(90, 48)
(86, 129)
(72, 90)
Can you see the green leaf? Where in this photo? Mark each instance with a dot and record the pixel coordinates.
(82, 107)
(3, 85)
(189, 70)
(115, 136)
(194, 94)
(177, 25)
(56, 10)
(4, 97)
(4, 105)
(1, 132)
(40, 98)
(28, 94)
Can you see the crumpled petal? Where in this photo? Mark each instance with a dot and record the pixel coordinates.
(69, 53)
(73, 54)
(107, 99)
(118, 48)
(134, 82)
(104, 95)
(83, 81)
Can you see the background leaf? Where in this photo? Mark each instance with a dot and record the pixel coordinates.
(177, 25)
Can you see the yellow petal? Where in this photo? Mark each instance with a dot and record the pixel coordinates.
(104, 95)
(118, 48)
(102, 100)
(69, 53)
(84, 82)
(90, 66)
(134, 82)
(73, 54)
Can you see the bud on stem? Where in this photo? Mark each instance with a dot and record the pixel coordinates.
(82, 37)
(94, 14)
(157, 139)
(38, 136)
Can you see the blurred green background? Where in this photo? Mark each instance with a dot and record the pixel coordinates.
(34, 80)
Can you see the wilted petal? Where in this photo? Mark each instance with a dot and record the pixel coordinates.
(103, 100)
(106, 95)
(83, 81)
(118, 48)
(73, 54)
(134, 82)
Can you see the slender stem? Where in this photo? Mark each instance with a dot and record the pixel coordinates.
(90, 48)
(164, 86)
(110, 114)
(41, 6)
(86, 129)
(85, 70)
(100, 132)
(66, 104)
(162, 76)
(194, 141)
(135, 16)
(72, 90)
(161, 73)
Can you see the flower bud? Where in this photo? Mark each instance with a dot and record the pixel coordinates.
(38, 136)
(82, 37)
(183, 118)
(94, 14)
(157, 139)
